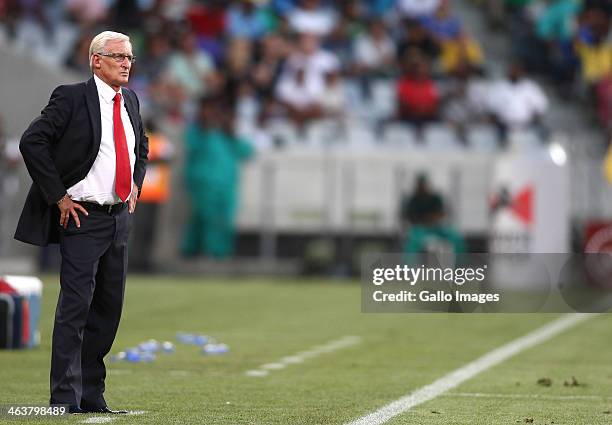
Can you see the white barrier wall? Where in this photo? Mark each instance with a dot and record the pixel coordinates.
(358, 191)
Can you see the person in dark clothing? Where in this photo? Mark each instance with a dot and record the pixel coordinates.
(424, 213)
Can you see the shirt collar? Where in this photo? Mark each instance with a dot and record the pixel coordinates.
(106, 92)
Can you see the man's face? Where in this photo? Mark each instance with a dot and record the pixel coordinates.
(111, 70)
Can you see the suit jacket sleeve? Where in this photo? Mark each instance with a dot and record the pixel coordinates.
(36, 142)
(143, 151)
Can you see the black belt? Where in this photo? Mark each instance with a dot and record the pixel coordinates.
(108, 209)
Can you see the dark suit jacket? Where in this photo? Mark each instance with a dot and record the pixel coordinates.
(59, 148)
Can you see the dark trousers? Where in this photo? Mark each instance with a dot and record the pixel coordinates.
(92, 279)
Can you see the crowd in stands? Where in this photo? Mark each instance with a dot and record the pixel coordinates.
(565, 40)
(348, 63)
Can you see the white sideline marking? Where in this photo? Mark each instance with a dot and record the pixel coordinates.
(98, 420)
(106, 419)
(118, 371)
(256, 373)
(180, 373)
(273, 366)
(529, 396)
(458, 376)
(300, 357)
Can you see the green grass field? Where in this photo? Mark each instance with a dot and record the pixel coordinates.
(263, 322)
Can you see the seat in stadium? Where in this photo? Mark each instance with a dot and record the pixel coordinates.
(324, 132)
(283, 133)
(440, 137)
(524, 140)
(482, 138)
(359, 133)
(400, 135)
(383, 101)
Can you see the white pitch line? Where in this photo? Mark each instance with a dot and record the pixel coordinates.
(257, 373)
(98, 420)
(458, 376)
(106, 419)
(118, 371)
(273, 366)
(300, 357)
(528, 396)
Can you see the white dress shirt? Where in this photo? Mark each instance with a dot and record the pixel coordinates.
(517, 104)
(99, 184)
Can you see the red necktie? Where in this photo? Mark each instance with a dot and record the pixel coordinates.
(123, 170)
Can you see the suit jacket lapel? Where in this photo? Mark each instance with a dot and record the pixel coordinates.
(93, 106)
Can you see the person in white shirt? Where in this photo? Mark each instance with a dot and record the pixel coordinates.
(415, 9)
(311, 18)
(374, 53)
(86, 154)
(374, 50)
(303, 83)
(517, 102)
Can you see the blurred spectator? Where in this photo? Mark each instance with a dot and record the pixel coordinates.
(462, 49)
(379, 8)
(207, 19)
(78, 60)
(442, 24)
(333, 100)
(303, 82)
(456, 45)
(417, 94)
(283, 7)
(417, 41)
(154, 193)
(239, 57)
(423, 213)
(415, 9)
(593, 47)
(339, 42)
(604, 103)
(352, 17)
(517, 103)
(311, 17)
(604, 6)
(465, 99)
(555, 27)
(125, 15)
(155, 59)
(299, 98)
(190, 68)
(267, 69)
(88, 13)
(213, 155)
(246, 20)
(374, 53)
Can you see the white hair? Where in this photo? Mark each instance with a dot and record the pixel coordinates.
(99, 43)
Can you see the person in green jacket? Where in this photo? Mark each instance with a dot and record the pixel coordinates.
(212, 175)
(424, 211)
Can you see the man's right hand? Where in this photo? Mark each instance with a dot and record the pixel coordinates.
(68, 208)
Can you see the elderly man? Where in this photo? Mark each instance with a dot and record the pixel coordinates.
(86, 154)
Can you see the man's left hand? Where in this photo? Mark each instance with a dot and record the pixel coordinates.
(132, 199)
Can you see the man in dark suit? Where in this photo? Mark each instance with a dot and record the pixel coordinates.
(86, 154)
